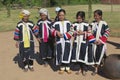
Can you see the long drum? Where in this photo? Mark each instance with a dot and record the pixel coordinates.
(111, 66)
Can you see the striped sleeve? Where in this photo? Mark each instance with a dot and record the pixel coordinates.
(90, 37)
(53, 32)
(69, 34)
(105, 35)
(35, 30)
(16, 34)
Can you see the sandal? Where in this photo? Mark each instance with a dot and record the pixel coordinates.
(45, 64)
(84, 73)
(61, 72)
(25, 69)
(69, 71)
(31, 69)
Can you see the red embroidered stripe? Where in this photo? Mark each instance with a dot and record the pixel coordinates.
(53, 32)
(90, 37)
(16, 37)
(68, 35)
(103, 38)
(16, 30)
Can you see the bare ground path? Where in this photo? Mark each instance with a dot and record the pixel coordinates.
(10, 71)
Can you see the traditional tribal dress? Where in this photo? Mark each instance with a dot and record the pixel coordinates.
(63, 45)
(24, 35)
(45, 36)
(101, 32)
(80, 45)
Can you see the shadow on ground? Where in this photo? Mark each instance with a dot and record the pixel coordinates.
(117, 45)
(18, 60)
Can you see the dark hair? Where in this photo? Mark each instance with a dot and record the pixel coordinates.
(99, 12)
(62, 10)
(81, 14)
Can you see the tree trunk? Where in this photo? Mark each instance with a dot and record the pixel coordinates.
(59, 2)
(46, 3)
(111, 2)
(89, 9)
(68, 2)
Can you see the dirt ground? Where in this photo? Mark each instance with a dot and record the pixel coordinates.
(11, 71)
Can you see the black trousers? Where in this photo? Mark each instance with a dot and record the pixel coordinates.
(46, 50)
(27, 54)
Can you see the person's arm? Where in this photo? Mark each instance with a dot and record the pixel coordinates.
(70, 32)
(35, 30)
(105, 36)
(89, 35)
(55, 32)
(17, 36)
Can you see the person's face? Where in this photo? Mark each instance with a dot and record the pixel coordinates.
(97, 17)
(43, 16)
(79, 19)
(61, 16)
(25, 18)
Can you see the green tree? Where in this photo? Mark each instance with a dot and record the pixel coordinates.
(46, 3)
(68, 2)
(0, 5)
(7, 4)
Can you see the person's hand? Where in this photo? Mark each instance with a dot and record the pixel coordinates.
(17, 44)
(98, 42)
(80, 32)
(59, 34)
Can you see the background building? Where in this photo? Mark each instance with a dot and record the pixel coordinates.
(110, 1)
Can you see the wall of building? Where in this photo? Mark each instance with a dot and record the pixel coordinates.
(110, 1)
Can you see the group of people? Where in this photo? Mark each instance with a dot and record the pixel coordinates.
(79, 42)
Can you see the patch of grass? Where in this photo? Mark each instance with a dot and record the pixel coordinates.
(112, 18)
